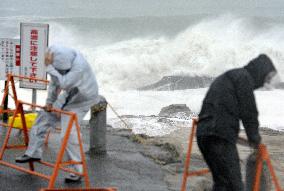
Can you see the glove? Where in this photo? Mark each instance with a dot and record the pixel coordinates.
(47, 107)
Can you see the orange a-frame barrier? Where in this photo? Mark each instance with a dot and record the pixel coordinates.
(87, 189)
(186, 172)
(11, 83)
(263, 156)
(59, 164)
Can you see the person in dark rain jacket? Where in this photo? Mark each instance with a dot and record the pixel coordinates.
(229, 99)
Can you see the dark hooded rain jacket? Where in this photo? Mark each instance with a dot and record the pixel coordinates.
(230, 99)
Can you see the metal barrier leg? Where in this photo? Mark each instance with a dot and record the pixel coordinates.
(14, 89)
(61, 153)
(259, 165)
(10, 79)
(188, 155)
(274, 177)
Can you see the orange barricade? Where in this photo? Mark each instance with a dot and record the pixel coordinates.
(59, 164)
(263, 156)
(11, 82)
(186, 172)
(87, 189)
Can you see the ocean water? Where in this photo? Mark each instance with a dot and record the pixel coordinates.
(149, 103)
(133, 50)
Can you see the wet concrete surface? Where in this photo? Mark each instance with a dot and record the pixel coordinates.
(123, 167)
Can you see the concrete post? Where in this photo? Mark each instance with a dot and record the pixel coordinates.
(98, 127)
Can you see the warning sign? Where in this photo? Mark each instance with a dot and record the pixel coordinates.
(9, 57)
(34, 42)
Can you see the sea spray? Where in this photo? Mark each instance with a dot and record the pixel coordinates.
(124, 58)
(207, 48)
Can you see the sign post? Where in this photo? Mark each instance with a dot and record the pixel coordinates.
(34, 42)
(6, 101)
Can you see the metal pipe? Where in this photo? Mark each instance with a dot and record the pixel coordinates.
(24, 170)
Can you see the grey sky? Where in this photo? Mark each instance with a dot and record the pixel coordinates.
(126, 8)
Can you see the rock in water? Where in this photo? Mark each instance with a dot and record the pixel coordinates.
(170, 83)
(279, 85)
(265, 180)
(175, 110)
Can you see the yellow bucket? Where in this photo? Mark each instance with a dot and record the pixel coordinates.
(30, 119)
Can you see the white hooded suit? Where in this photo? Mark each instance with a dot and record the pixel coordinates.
(71, 74)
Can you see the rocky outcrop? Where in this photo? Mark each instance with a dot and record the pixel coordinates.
(162, 152)
(170, 83)
(280, 85)
(175, 110)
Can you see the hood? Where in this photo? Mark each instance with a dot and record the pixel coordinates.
(62, 57)
(258, 68)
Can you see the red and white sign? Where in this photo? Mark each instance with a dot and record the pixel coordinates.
(34, 42)
(8, 57)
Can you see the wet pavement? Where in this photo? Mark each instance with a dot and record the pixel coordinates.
(123, 167)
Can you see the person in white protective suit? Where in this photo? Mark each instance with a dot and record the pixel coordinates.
(72, 76)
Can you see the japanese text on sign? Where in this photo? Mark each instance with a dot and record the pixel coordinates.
(33, 56)
(34, 41)
(8, 53)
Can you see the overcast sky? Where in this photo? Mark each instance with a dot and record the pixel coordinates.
(130, 8)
